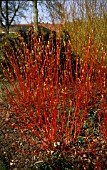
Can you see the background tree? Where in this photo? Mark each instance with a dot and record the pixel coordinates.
(35, 11)
(54, 8)
(10, 11)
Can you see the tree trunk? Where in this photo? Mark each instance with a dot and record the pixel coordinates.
(35, 9)
(7, 18)
(0, 16)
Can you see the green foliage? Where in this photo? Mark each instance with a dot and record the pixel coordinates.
(2, 166)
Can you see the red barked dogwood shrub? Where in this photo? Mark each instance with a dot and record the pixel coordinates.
(68, 116)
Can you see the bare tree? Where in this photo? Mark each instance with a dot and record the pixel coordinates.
(92, 8)
(55, 8)
(9, 11)
(35, 11)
